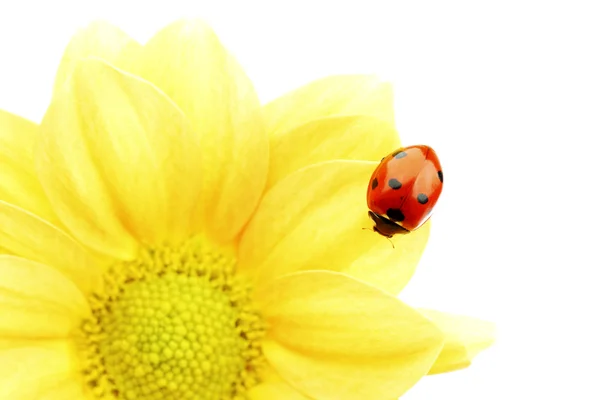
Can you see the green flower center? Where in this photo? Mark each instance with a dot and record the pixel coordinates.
(175, 324)
(174, 333)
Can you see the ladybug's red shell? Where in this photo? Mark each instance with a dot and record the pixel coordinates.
(405, 187)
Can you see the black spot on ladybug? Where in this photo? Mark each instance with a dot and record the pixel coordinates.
(395, 214)
(422, 198)
(401, 154)
(374, 184)
(441, 176)
(394, 184)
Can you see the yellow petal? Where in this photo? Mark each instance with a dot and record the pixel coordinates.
(118, 159)
(390, 268)
(316, 218)
(26, 235)
(355, 137)
(465, 337)
(272, 386)
(10, 343)
(99, 39)
(19, 184)
(37, 301)
(187, 61)
(333, 337)
(71, 388)
(335, 95)
(46, 370)
(275, 391)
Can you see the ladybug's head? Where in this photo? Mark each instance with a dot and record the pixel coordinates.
(386, 227)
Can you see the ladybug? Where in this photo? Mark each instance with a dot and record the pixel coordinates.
(404, 189)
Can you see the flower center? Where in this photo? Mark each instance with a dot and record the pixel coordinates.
(176, 323)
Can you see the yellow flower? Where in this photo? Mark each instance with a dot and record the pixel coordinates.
(166, 237)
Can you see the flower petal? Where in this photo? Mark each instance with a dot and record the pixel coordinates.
(26, 235)
(335, 95)
(18, 181)
(333, 337)
(275, 390)
(465, 337)
(354, 137)
(312, 219)
(37, 301)
(42, 370)
(117, 160)
(70, 388)
(99, 39)
(272, 386)
(316, 218)
(390, 268)
(188, 62)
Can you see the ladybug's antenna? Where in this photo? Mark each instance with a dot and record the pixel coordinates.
(393, 247)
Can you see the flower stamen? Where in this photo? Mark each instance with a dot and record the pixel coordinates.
(176, 323)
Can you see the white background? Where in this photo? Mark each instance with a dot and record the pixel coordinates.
(508, 92)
